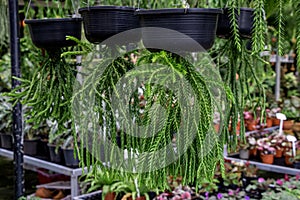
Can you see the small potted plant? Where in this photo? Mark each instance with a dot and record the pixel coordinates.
(6, 137)
(244, 150)
(279, 142)
(252, 145)
(296, 161)
(31, 140)
(267, 152)
(290, 115)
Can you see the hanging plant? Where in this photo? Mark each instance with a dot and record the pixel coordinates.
(4, 29)
(48, 92)
(103, 113)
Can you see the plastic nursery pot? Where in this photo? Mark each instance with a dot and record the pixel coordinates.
(102, 22)
(244, 154)
(55, 155)
(198, 24)
(6, 141)
(51, 34)
(296, 164)
(267, 158)
(69, 158)
(31, 146)
(245, 23)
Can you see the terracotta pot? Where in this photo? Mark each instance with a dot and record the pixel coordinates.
(267, 158)
(253, 152)
(251, 125)
(217, 127)
(138, 198)
(110, 196)
(269, 122)
(279, 153)
(288, 124)
(287, 160)
(296, 127)
(238, 127)
(275, 121)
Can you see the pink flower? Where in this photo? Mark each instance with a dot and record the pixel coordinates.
(297, 177)
(230, 192)
(261, 180)
(279, 182)
(186, 195)
(286, 177)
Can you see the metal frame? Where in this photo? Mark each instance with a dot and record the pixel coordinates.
(267, 167)
(32, 162)
(263, 166)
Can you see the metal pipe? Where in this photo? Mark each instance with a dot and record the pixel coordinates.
(278, 74)
(17, 109)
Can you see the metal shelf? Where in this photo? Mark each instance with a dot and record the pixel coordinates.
(267, 167)
(34, 163)
(263, 166)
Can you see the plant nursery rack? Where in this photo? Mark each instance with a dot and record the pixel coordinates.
(35, 163)
(260, 165)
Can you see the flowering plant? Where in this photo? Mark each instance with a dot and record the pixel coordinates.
(265, 146)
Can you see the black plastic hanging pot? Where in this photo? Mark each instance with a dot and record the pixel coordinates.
(102, 22)
(245, 23)
(50, 34)
(199, 24)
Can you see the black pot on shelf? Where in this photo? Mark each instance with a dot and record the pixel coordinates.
(245, 23)
(51, 34)
(102, 22)
(70, 160)
(199, 24)
(31, 146)
(6, 141)
(296, 164)
(56, 154)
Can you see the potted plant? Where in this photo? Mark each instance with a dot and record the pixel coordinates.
(296, 161)
(48, 92)
(197, 23)
(6, 138)
(31, 140)
(252, 145)
(56, 140)
(267, 152)
(244, 18)
(279, 142)
(70, 154)
(152, 95)
(102, 22)
(290, 115)
(50, 33)
(244, 150)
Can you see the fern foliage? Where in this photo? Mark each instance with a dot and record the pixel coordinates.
(174, 134)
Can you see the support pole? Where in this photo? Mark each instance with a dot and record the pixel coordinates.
(278, 74)
(17, 109)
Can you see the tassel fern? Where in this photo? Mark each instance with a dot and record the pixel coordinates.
(150, 135)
